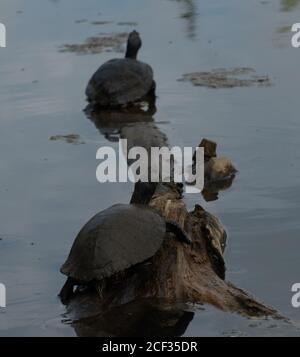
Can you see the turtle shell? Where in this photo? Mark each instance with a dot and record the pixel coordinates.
(119, 82)
(114, 240)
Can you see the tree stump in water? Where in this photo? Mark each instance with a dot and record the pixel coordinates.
(196, 273)
(179, 274)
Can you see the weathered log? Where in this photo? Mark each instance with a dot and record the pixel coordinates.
(196, 274)
(210, 149)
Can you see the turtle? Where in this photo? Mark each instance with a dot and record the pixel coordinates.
(117, 239)
(122, 81)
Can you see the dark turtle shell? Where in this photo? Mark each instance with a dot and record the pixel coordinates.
(114, 240)
(119, 82)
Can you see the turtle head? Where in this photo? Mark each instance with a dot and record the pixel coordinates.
(143, 192)
(134, 43)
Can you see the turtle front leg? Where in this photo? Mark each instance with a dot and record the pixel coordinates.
(174, 228)
(67, 291)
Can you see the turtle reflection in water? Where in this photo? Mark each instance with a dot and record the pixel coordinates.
(116, 239)
(138, 318)
(111, 122)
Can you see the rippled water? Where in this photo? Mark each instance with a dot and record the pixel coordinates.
(48, 188)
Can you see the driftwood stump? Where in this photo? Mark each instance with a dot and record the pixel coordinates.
(196, 273)
(158, 289)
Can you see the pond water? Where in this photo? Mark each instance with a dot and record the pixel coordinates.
(48, 189)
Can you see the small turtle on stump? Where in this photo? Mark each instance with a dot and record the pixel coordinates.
(122, 81)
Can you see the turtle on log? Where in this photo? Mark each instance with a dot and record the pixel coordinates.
(116, 239)
(122, 81)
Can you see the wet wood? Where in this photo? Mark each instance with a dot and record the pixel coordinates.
(196, 273)
(210, 149)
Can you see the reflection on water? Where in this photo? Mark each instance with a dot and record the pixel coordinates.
(139, 130)
(190, 15)
(212, 190)
(111, 122)
(136, 319)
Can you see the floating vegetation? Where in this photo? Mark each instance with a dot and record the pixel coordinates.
(129, 23)
(284, 29)
(93, 45)
(226, 78)
(80, 21)
(74, 139)
(281, 37)
(101, 22)
(289, 5)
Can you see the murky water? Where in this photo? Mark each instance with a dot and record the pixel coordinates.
(48, 188)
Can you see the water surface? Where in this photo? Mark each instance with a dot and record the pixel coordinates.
(48, 188)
